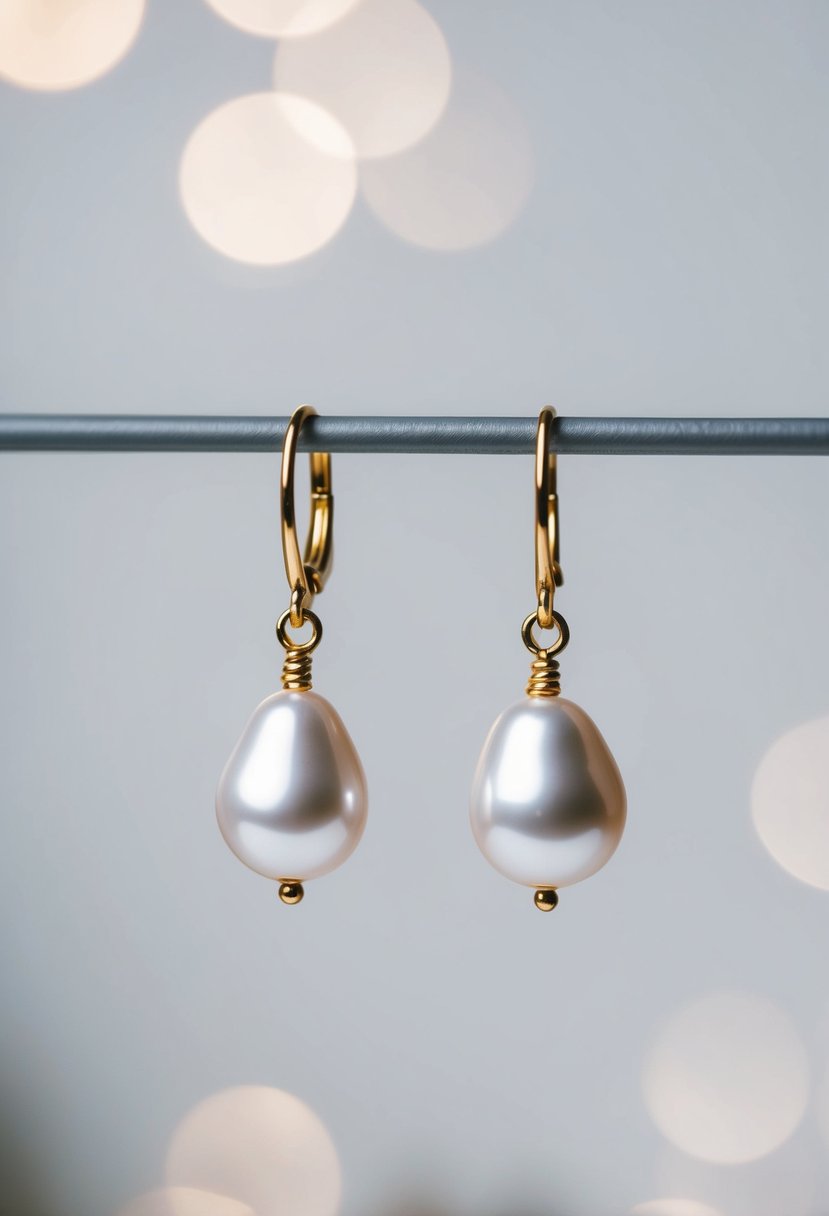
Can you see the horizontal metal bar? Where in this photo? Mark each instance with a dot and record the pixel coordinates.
(498, 436)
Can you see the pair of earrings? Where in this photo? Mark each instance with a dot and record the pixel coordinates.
(548, 803)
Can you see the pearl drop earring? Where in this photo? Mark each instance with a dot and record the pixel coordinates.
(548, 804)
(292, 800)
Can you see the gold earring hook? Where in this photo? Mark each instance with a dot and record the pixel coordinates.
(306, 574)
(548, 573)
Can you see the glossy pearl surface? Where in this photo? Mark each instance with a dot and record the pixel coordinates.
(292, 800)
(548, 803)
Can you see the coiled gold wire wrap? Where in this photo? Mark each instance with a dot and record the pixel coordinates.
(296, 671)
(544, 678)
(296, 668)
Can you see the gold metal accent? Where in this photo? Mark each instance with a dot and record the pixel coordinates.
(545, 901)
(544, 678)
(296, 669)
(306, 574)
(291, 891)
(544, 675)
(548, 573)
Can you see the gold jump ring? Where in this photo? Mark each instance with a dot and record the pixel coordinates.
(287, 642)
(532, 644)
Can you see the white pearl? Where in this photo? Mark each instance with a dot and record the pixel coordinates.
(548, 804)
(292, 800)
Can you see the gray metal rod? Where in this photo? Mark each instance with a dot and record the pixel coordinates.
(495, 436)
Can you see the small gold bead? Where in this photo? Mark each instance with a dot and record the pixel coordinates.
(546, 900)
(291, 892)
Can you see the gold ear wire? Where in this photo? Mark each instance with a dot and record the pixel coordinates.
(306, 574)
(544, 677)
(548, 573)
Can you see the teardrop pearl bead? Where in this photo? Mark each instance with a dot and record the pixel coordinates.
(548, 803)
(292, 800)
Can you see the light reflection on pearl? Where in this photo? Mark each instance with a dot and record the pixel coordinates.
(548, 804)
(522, 779)
(292, 800)
(727, 1079)
(259, 787)
(574, 856)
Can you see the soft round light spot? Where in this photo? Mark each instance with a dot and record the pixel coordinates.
(268, 178)
(823, 1106)
(790, 802)
(781, 1182)
(727, 1079)
(263, 1147)
(384, 71)
(282, 18)
(62, 44)
(184, 1201)
(466, 182)
(673, 1207)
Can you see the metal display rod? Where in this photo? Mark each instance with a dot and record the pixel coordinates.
(493, 436)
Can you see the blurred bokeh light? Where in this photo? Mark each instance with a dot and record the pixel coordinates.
(823, 1105)
(466, 182)
(282, 18)
(62, 44)
(673, 1207)
(790, 802)
(261, 1146)
(384, 71)
(268, 178)
(782, 1181)
(669, 258)
(727, 1079)
(184, 1201)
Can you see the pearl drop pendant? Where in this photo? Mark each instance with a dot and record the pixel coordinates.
(292, 800)
(548, 804)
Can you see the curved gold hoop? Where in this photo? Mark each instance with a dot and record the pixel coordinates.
(306, 573)
(548, 573)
